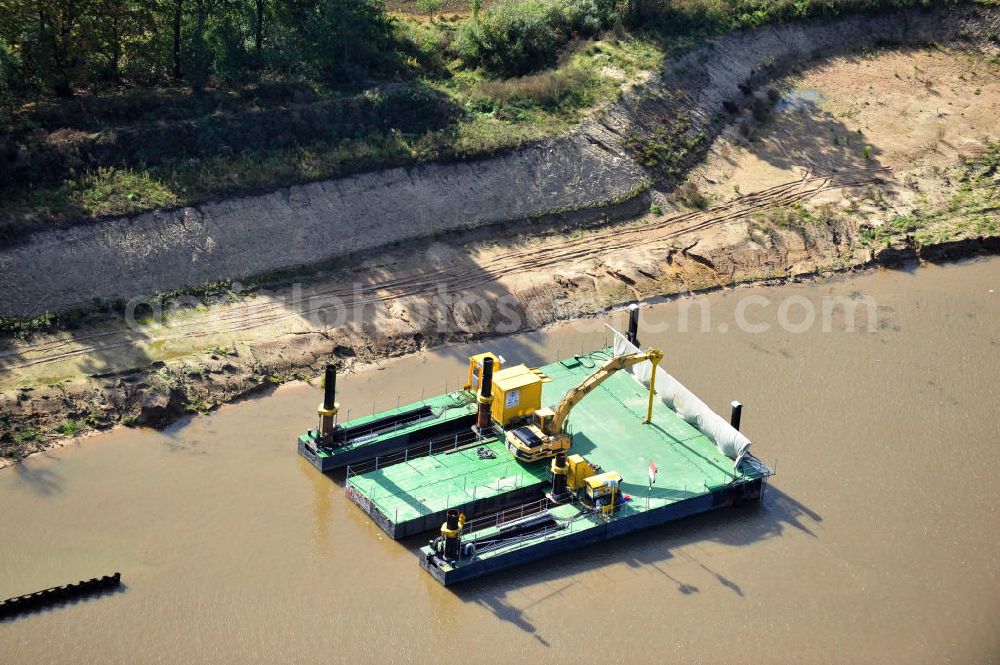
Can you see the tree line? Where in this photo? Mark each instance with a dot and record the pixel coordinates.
(64, 46)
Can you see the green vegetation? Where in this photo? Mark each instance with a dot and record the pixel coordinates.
(68, 428)
(112, 108)
(62, 46)
(796, 218)
(973, 211)
(18, 444)
(515, 37)
(430, 6)
(712, 16)
(899, 225)
(667, 147)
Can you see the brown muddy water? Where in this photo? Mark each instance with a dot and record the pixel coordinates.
(877, 541)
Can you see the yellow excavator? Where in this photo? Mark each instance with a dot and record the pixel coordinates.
(544, 436)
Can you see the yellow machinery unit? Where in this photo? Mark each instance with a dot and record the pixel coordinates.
(545, 435)
(579, 470)
(517, 393)
(476, 369)
(603, 490)
(603, 484)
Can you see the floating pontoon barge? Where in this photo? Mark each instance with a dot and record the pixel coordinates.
(413, 496)
(438, 419)
(495, 511)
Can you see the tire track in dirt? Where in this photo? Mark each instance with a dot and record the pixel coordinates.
(264, 312)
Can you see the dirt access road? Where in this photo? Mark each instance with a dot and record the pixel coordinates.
(384, 284)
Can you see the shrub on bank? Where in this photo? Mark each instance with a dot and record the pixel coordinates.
(709, 16)
(402, 108)
(548, 90)
(515, 37)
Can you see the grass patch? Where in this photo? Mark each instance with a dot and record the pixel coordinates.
(496, 115)
(24, 436)
(972, 211)
(115, 191)
(565, 88)
(16, 445)
(68, 428)
(668, 147)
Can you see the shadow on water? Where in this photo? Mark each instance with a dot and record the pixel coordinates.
(652, 549)
(172, 438)
(506, 612)
(43, 480)
(322, 502)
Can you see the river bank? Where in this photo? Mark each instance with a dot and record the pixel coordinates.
(832, 178)
(162, 393)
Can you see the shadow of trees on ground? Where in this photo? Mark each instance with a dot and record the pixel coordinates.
(798, 133)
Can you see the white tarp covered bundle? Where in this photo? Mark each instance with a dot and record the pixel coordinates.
(726, 438)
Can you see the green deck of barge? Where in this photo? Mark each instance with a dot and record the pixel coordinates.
(427, 485)
(608, 430)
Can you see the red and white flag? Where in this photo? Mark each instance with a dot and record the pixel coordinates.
(652, 472)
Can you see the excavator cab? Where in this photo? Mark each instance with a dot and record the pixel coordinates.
(529, 444)
(542, 418)
(532, 442)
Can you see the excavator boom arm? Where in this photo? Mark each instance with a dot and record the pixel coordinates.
(599, 376)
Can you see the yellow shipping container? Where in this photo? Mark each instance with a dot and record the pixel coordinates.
(517, 393)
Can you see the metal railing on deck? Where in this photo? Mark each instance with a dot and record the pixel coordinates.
(758, 466)
(464, 495)
(367, 488)
(506, 516)
(432, 447)
(404, 422)
(499, 542)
